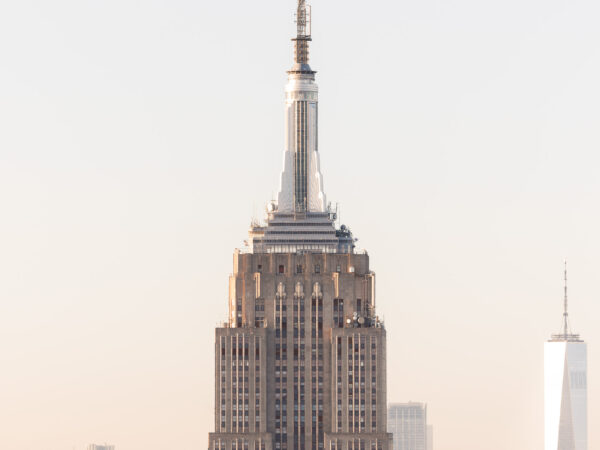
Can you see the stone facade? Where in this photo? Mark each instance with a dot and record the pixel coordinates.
(301, 362)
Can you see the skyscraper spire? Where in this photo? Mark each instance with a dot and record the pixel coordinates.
(301, 188)
(565, 387)
(566, 306)
(303, 37)
(565, 334)
(303, 19)
(300, 219)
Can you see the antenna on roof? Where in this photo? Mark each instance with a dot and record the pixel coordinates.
(566, 306)
(565, 334)
(303, 32)
(303, 19)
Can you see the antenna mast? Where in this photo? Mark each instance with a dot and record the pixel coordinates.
(303, 31)
(565, 334)
(566, 306)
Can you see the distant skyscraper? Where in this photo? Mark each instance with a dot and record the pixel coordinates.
(100, 447)
(429, 437)
(408, 424)
(301, 362)
(565, 388)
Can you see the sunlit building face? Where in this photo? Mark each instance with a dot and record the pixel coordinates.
(565, 386)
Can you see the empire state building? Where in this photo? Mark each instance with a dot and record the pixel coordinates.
(300, 362)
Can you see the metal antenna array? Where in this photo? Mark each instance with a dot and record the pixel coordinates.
(565, 335)
(303, 32)
(566, 306)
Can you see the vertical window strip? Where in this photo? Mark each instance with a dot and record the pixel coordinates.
(301, 171)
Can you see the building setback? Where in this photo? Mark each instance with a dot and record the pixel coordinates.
(301, 361)
(408, 424)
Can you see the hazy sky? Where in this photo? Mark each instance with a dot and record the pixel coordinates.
(139, 138)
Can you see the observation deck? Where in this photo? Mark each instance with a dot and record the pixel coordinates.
(308, 232)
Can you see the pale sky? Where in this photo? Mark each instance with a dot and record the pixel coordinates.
(138, 139)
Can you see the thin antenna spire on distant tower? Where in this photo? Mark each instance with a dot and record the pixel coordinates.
(565, 334)
(566, 306)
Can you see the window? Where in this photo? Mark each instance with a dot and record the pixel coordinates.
(260, 267)
(281, 268)
(299, 268)
(338, 268)
(317, 268)
(578, 380)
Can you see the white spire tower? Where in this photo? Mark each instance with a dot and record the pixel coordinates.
(301, 187)
(300, 219)
(565, 387)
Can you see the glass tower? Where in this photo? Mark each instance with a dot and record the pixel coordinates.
(565, 389)
(408, 423)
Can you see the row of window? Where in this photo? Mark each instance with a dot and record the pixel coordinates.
(239, 444)
(338, 313)
(355, 383)
(301, 269)
(240, 350)
(356, 444)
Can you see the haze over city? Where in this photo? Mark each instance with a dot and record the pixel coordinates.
(138, 141)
